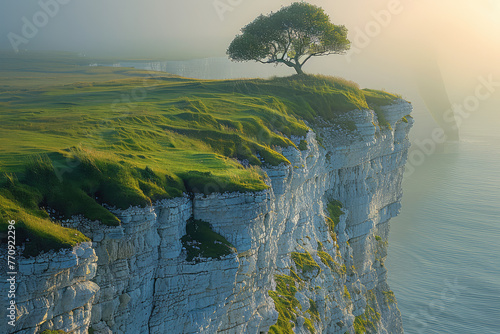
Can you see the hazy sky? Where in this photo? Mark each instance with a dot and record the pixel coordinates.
(461, 36)
(201, 28)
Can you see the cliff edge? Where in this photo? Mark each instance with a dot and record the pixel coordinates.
(306, 254)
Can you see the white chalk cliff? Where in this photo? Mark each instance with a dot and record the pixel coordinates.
(134, 278)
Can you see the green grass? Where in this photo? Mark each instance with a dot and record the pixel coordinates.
(27, 70)
(405, 118)
(285, 303)
(288, 306)
(334, 211)
(33, 224)
(389, 297)
(382, 120)
(379, 98)
(328, 260)
(313, 311)
(367, 322)
(305, 262)
(74, 137)
(201, 241)
(347, 295)
(303, 145)
(376, 99)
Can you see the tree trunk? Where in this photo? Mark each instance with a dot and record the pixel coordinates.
(298, 68)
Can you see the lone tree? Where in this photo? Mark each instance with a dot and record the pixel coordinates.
(290, 36)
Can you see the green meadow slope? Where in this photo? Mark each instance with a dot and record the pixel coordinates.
(75, 137)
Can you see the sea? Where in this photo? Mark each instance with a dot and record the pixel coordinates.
(444, 247)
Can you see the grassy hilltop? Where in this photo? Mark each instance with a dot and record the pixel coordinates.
(74, 137)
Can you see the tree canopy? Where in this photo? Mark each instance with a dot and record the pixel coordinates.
(291, 36)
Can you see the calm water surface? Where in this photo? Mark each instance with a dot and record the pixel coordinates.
(444, 248)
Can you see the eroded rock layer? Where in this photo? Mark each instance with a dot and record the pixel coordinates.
(296, 267)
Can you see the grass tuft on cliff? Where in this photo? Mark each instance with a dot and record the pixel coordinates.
(289, 307)
(389, 298)
(334, 211)
(76, 137)
(32, 223)
(377, 99)
(201, 241)
(305, 264)
(368, 321)
(286, 303)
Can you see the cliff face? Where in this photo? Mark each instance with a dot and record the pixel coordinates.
(53, 291)
(140, 281)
